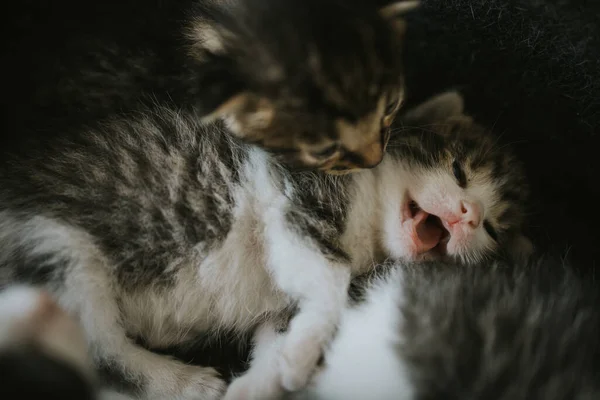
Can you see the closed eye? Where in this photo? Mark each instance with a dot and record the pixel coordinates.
(459, 174)
(490, 230)
(326, 152)
(392, 106)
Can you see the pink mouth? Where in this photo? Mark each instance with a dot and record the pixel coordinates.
(426, 230)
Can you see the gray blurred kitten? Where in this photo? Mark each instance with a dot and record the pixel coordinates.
(159, 229)
(493, 331)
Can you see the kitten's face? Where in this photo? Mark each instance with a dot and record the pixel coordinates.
(327, 139)
(462, 195)
(317, 83)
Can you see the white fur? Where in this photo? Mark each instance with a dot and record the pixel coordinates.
(262, 381)
(362, 362)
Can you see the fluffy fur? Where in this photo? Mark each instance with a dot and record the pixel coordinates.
(437, 331)
(159, 228)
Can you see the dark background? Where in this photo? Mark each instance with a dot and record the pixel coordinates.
(528, 68)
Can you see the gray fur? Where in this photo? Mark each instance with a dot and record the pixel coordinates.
(490, 331)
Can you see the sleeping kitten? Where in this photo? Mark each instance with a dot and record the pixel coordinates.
(491, 332)
(317, 82)
(43, 353)
(157, 228)
(324, 93)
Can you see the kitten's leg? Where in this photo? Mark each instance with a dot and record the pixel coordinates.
(320, 288)
(262, 380)
(321, 301)
(66, 262)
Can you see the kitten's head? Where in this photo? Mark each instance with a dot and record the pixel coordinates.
(43, 353)
(315, 82)
(462, 194)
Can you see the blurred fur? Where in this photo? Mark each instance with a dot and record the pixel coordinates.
(43, 353)
(490, 331)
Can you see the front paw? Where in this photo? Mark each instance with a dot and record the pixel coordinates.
(203, 384)
(187, 383)
(251, 386)
(298, 363)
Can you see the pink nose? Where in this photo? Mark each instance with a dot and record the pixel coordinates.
(470, 213)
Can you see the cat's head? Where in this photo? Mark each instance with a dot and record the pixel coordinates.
(43, 353)
(315, 82)
(462, 193)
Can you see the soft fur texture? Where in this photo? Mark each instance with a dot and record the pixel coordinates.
(433, 331)
(528, 67)
(162, 228)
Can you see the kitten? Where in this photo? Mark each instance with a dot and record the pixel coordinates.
(437, 331)
(43, 353)
(317, 82)
(157, 229)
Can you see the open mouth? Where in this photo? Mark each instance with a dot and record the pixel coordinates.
(426, 230)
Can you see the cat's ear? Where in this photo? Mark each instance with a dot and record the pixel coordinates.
(397, 9)
(220, 87)
(439, 108)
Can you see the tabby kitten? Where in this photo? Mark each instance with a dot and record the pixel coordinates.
(496, 331)
(156, 229)
(316, 82)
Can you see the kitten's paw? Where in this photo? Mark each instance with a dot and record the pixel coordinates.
(188, 383)
(254, 387)
(298, 363)
(203, 384)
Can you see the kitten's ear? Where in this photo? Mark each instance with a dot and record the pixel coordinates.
(397, 9)
(220, 87)
(437, 109)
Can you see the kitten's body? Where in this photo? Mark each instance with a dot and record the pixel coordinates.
(494, 331)
(160, 228)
